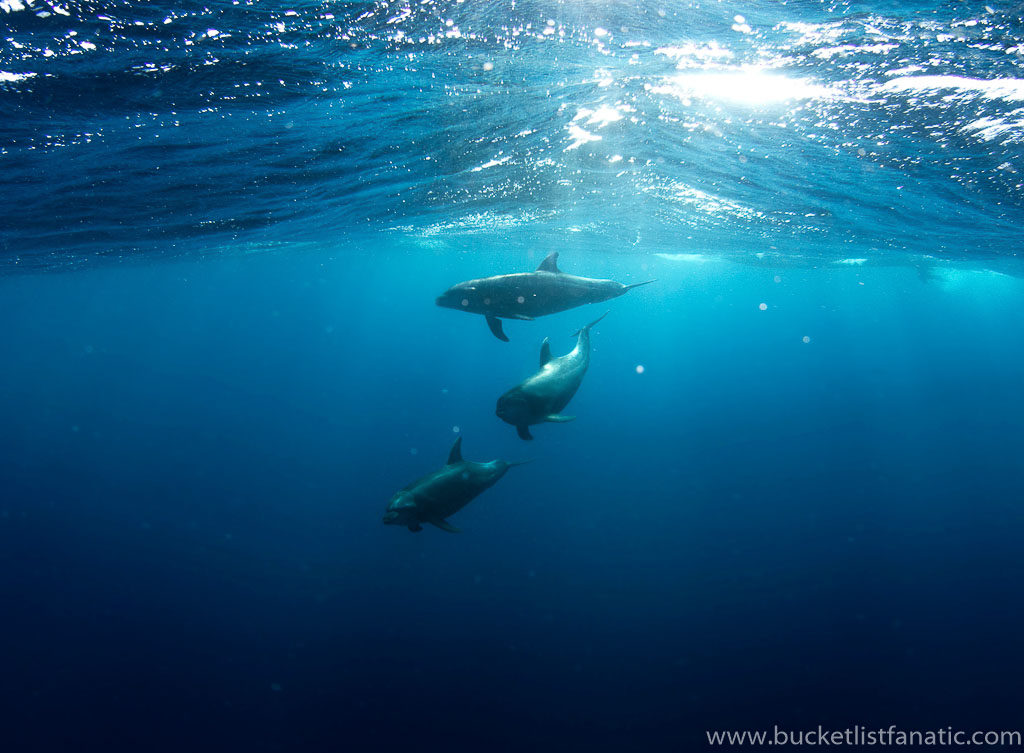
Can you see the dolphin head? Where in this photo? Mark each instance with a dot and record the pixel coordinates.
(513, 408)
(401, 511)
(463, 297)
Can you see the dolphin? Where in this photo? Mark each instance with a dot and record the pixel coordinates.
(526, 295)
(444, 492)
(543, 395)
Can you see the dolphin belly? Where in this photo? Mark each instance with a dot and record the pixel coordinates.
(445, 494)
(551, 389)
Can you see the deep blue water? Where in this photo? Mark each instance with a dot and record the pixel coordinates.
(793, 492)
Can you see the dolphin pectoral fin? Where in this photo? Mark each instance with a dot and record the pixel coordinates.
(637, 284)
(415, 527)
(557, 419)
(455, 456)
(495, 324)
(524, 432)
(444, 525)
(520, 317)
(545, 353)
(550, 263)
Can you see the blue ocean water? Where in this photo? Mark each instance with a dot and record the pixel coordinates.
(792, 495)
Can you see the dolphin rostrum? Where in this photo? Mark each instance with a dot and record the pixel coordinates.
(526, 295)
(444, 492)
(543, 395)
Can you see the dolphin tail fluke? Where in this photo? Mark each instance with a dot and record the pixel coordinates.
(587, 328)
(495, 324)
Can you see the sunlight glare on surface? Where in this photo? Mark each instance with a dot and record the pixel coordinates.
(750, 86)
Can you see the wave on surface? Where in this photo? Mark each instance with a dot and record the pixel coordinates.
(836, 129)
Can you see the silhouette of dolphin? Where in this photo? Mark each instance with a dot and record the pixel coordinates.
(444, 492)
(543, 395)
(526, 295)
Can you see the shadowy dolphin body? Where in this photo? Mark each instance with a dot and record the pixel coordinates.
(526, 295)
(543, 395)
(444, 492)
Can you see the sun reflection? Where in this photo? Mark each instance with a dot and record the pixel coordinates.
(751, 86)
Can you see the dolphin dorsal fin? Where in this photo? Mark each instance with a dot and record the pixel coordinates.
(550, 263)
(545, 353)
(455, 456)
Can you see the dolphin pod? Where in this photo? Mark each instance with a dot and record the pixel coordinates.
(527, 295)
(538, 399)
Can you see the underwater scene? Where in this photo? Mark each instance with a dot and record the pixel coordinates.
(534, 375)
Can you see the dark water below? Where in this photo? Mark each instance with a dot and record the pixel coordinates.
(754, 530)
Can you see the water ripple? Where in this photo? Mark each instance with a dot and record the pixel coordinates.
(806, 127)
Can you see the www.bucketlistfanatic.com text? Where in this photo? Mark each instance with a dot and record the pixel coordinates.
(861, 735)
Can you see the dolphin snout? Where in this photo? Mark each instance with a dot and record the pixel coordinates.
(446, 300)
